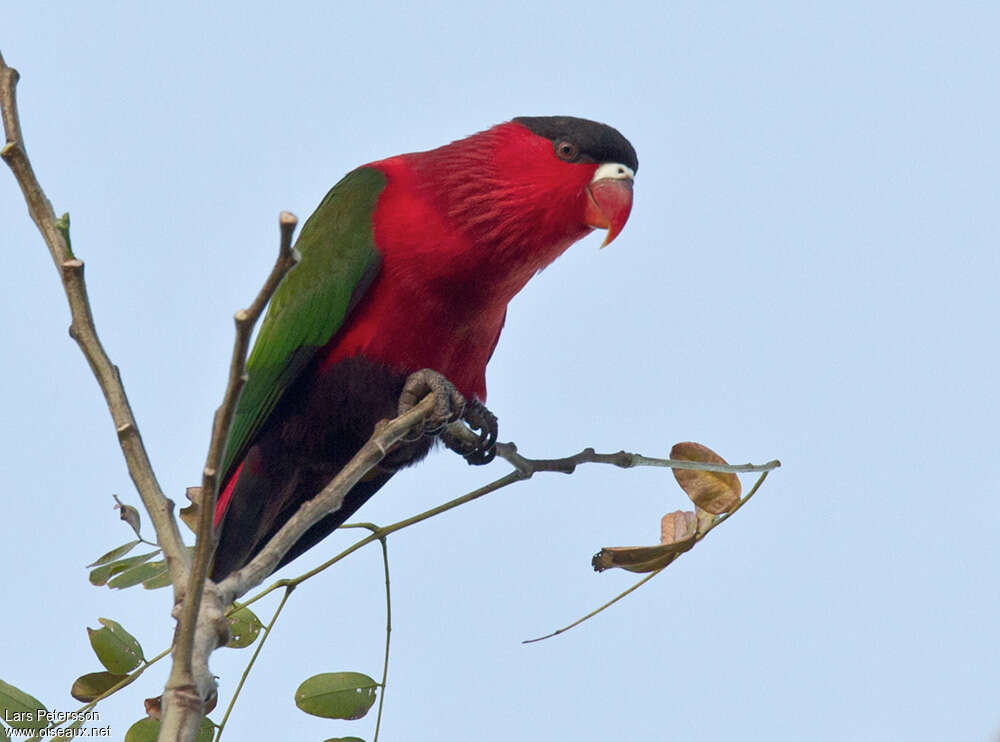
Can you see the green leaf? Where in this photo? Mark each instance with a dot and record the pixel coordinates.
(139, 573)
(144, 730)
(114, 554)
(102, 574)
(94, 684)
(3, 734)
(20, 710)
(244, 627)
(117, 649)
(147, 730)
(207, 730)
(337, 695)
(161, 580)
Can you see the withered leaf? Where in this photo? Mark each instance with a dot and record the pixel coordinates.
(677, 526)
(639, 558)
(189, 514)
(715, 492)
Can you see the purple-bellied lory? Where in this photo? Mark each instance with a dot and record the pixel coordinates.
(406, 270)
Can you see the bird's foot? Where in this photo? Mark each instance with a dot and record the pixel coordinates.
(449, 404)
(478, 417)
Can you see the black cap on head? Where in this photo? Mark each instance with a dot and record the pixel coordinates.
(593, 142)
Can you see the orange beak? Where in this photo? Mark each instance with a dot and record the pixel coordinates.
(609, 202)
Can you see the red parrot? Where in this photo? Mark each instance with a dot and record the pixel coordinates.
(406, 270)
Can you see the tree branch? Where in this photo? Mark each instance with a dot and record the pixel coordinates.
(84, 332)
(326, 502)
(207, 626)
(524, 468)
(622, 459)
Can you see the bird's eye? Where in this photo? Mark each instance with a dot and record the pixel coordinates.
(566, 150)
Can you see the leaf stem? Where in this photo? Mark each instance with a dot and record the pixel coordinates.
(253, 659)
(698, 537)
(388, 632)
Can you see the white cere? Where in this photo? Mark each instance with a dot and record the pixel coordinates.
(613, 170)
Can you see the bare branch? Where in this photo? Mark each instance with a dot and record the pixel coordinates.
(622, 459)
(523, 469)
(326, 502)
(182, 675)
(383, 531)
(245, 320)
(84, 332)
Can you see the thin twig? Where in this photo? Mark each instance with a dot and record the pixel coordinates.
(621, 459)
(388, 633)
(245, 320)
(594, 612)
(253, 659)
(524, 468)
(697, 537)
(84, 332)
(386, 530)
(181, 675)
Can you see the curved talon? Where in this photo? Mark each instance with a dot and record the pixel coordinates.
(478, 417)
(481, 457)
(449, 404)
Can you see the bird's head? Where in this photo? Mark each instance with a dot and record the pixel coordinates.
(530, 187)
(588, 168)
(501, 205)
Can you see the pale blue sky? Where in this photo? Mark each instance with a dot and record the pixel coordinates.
(809, 273)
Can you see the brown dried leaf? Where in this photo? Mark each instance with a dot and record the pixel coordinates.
(677, 526)
(189, 514)
(716, 492)
(154, 707)
(639, 558)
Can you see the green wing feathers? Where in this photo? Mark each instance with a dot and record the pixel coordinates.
(338, 262)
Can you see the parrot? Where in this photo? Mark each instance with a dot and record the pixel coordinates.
(401, 289)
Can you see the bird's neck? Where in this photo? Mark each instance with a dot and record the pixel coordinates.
(509, 219)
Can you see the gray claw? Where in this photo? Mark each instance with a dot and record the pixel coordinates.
(449, 404)
(478, 418)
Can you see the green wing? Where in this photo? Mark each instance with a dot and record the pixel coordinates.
(338, 263)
